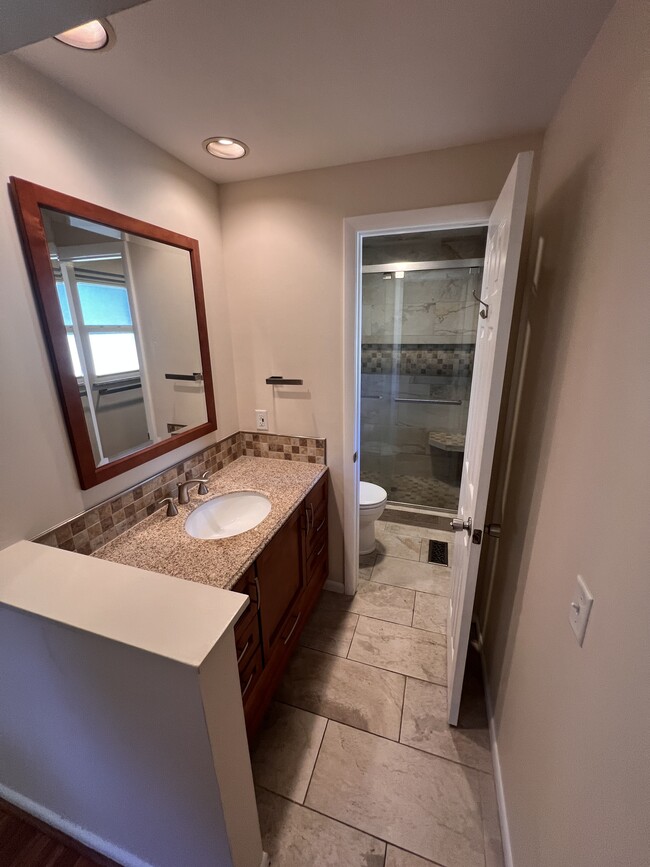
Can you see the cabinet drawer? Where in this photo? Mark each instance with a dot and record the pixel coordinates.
(249, 676)
(247, 639)
(293, 623)
(247, 585)
(318, 565)
(317, 495)
(317, 554)
(316, 525)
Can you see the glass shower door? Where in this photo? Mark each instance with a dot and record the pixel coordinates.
(419, 333)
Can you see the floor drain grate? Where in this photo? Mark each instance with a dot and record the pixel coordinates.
(438, 552)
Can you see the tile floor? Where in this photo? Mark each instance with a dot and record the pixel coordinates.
(355, 765)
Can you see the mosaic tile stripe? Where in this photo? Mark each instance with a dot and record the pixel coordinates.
(309, 450)
(103, 523)
(418, 359)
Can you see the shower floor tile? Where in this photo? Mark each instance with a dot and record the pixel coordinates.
(417, 491)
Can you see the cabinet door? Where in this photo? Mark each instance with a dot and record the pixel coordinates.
(279, 571)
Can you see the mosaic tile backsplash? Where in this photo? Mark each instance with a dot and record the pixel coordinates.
(99, 525)
(418, 359)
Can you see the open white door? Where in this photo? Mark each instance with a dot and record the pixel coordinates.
(505, 231)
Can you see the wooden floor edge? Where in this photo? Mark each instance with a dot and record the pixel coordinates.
(55, 834)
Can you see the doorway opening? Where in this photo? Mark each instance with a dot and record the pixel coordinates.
(410, 248)
(419, 314)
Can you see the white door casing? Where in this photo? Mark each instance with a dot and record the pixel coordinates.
(503, 249)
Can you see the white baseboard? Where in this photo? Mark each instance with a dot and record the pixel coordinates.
(92, 841)
(498, 779)
(334, 586)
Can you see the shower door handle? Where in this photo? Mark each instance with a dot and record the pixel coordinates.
(428, 400)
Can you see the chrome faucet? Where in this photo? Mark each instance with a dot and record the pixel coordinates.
(183, 487)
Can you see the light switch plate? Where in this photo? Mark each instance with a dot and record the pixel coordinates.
(580, 609)
(262, 420)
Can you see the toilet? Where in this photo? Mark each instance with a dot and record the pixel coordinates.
(372, 502)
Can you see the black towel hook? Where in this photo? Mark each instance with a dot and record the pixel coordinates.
(482, 313)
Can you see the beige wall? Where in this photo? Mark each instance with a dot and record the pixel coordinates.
(573, 724)
(53, 138)
(283, 256)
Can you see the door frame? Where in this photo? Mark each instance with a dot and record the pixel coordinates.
(355, 229)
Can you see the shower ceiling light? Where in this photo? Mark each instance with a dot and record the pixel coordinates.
(225, 148)
(91, 36)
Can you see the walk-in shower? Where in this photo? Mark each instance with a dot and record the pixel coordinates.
(419, 319)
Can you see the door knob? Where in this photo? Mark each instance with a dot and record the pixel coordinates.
(458, 525)
(493, 530)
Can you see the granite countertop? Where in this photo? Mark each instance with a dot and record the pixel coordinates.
(160, 544)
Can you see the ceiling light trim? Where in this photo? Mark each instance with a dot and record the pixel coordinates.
(225, 141)
(106, 46)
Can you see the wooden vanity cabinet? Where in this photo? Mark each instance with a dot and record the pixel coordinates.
(280, 576)
(284, 584)
(248, 635)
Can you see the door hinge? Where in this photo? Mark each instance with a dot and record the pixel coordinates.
(354, 458)
(477, 535)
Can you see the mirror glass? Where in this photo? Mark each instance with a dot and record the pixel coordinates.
(128, 310)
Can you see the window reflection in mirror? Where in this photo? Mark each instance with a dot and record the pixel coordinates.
(127, 304)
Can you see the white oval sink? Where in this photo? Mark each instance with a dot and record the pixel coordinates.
(228, 515)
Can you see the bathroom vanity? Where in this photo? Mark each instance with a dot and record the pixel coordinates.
(281, 565)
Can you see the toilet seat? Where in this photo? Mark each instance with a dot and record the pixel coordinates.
(371, 496)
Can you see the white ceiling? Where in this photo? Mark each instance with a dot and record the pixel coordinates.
(311, 83)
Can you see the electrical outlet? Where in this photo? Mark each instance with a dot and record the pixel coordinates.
(580, 609)
(262, 420)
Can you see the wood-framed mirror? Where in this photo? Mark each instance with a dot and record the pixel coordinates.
(123, 314)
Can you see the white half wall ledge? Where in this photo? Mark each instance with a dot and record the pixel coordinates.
(171, 617)
(121, 713)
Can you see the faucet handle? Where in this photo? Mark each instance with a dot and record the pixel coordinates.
(203, 488)
(171, 506)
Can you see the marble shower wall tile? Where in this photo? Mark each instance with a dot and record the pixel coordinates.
(431, 306)
(413, 800)
(341, 689)
(295, 837)
(425, 247)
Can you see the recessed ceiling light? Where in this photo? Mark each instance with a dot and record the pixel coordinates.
(91, 36)
(225, 148)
